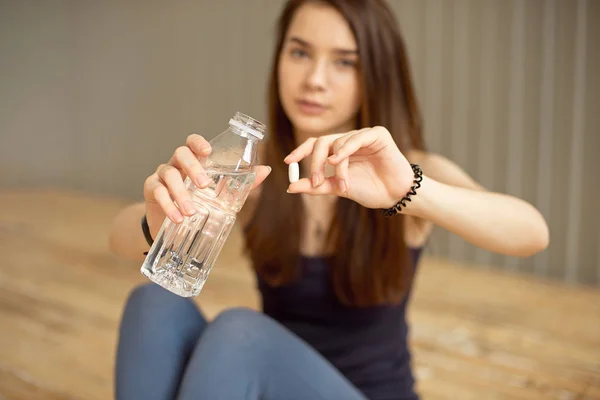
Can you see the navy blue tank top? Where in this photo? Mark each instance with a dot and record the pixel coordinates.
(368, 345)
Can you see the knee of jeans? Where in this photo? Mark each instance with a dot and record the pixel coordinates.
(150, 301)
(242, 327)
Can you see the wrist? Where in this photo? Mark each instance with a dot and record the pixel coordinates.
(412, 202)
(418, 205)
(146, 231)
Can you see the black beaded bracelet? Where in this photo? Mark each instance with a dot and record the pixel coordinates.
(146, 230)
(389, 212)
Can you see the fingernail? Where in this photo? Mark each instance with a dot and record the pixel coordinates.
(203, 180)
(315, 179)
(206, 147)
(270, 169)
(177, 217)
(189, 208)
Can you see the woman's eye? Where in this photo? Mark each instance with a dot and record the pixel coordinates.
(298, 53)
(346, 63)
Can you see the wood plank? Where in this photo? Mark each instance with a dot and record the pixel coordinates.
(475, 333)
(17, 385)
(592, 393)
(478, 378)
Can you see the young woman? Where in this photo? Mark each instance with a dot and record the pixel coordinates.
(333, 271)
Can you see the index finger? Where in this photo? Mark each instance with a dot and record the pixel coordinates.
(306, 148)
(262, 171)
(198, 144)
(301, 151)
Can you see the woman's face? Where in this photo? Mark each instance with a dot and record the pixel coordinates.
(318, 74)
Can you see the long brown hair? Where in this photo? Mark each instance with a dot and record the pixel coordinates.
(371, 265)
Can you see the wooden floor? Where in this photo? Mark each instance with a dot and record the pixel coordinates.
(476, 334)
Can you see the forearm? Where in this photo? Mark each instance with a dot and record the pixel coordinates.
(493, 221)
(126, 237)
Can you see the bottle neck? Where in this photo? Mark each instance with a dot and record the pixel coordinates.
(244, 134)
(245, 129)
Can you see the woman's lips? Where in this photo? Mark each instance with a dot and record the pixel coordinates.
(310, 107)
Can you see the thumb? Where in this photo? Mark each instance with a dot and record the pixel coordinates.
(262, 171)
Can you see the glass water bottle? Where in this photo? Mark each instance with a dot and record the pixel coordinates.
(183, 254)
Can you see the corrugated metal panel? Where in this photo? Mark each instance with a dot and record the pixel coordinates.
(505, 90)
(509, 91)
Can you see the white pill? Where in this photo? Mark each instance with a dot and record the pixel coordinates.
(294, 172)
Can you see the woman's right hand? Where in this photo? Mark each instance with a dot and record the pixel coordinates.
(165, 186)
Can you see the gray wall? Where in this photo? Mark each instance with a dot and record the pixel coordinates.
(93, 95)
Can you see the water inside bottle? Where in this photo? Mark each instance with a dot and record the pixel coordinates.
(183, 254)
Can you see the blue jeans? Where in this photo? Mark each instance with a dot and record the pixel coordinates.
(167, 350)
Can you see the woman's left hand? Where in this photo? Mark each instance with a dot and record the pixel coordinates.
(369, 167)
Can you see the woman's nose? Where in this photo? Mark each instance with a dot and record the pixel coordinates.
(317, 75)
